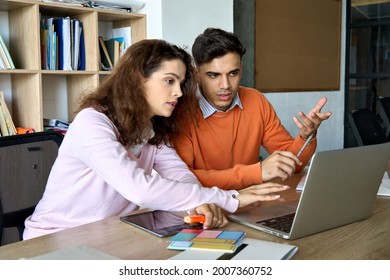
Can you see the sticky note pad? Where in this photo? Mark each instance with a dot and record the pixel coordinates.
(230, 235)
(209, 234)
(219, 240)
(183, 236)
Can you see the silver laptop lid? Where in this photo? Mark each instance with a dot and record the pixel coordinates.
(340, 188)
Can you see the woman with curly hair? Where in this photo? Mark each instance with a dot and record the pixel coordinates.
(117, 155)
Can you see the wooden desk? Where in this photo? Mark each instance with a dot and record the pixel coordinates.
(368, 239)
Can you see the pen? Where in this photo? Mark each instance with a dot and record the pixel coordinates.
(305, 145)
(194, 219)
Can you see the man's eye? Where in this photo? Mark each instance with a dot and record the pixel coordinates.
(213, 76)
(233, 74)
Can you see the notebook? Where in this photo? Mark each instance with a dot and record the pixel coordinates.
(340, 188)
(250, 249)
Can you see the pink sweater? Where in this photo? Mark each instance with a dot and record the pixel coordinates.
(95, 177)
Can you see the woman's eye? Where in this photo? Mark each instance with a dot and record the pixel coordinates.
(169, 81)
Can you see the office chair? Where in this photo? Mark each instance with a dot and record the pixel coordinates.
(384, 109)
(25, 164)
(366, 127)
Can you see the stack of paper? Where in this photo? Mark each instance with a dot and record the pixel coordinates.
(131, 5)
(384, 188)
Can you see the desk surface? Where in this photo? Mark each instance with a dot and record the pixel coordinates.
(367, 239)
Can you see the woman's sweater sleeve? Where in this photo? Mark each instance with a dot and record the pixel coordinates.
(97, 146)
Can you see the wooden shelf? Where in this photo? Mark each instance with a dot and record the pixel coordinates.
(33, 91)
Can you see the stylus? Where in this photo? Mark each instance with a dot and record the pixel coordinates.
(305, 145)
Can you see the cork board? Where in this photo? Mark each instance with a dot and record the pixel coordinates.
(297, 45)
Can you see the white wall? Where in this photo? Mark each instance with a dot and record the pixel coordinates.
(153, 11)
(180, 21)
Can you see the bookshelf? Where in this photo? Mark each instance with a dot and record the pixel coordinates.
(36, 94)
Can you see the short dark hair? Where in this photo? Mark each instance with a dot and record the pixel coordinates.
(215, 42)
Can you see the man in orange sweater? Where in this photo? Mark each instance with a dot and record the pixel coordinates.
(222, 147)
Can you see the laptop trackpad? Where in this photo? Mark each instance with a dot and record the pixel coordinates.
(265, 213)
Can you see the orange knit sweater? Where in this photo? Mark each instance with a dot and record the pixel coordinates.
(223, 149)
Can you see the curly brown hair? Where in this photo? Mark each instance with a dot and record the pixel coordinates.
(121, 96)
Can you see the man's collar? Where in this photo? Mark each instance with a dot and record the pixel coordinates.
(207, 109)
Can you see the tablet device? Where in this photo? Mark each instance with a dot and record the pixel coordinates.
(158, 222)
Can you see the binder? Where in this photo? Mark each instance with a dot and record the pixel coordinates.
(62, 27)
(81, 64)
(76, 44)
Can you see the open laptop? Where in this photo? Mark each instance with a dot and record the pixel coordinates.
(340, 188)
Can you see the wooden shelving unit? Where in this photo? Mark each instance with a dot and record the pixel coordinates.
(37, 93)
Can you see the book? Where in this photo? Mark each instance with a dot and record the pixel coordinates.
(47, 33)
(5, 63)
(2, 64)
(202, 239)
(125, 33)
(49, 43)
(5, 55)
(3, 124)
(7, 125)
(104, 56)
(250, 249)
(112, 47)
(122, 43)
(55, 123)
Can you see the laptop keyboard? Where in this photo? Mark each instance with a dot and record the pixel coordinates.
(282, 223)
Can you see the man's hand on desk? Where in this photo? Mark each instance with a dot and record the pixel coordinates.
(280, 164)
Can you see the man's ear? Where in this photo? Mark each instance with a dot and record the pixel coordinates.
(197, 75)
